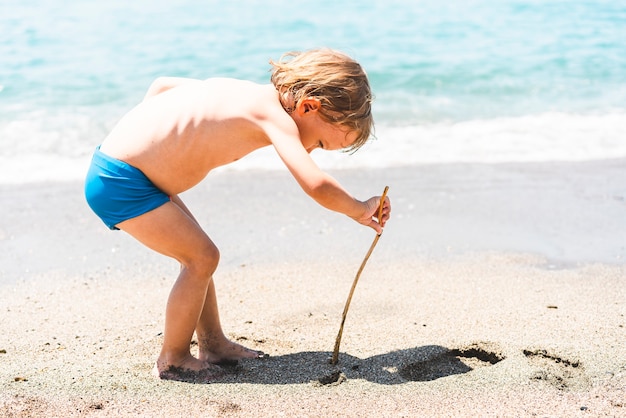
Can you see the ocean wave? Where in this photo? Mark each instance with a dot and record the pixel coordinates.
(35, 150)
(532, 138)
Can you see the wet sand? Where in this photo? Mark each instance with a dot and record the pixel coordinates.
(495, 290)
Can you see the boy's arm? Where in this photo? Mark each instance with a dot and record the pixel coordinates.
(162, 84)
(323, 188)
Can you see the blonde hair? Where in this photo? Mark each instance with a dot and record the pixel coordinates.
(336, 80)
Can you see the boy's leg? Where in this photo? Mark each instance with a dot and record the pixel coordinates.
(213, 345)
(170, 231)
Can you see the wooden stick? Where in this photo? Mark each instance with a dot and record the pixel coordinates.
(335, 357)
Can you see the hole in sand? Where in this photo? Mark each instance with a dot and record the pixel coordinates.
(451, 362)
(557, 371)
(335, 378)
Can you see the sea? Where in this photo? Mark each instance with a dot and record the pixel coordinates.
(484, 81)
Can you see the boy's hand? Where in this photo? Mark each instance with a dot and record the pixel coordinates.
(372, 206)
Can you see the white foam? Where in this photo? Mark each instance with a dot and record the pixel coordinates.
(545, 137)
(39, 167)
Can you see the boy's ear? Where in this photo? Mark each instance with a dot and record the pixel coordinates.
(309, 104)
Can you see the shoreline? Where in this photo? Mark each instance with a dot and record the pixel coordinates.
(495, 290)
(569, 213)
(533, 138)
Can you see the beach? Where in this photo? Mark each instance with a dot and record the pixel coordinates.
(495, 290)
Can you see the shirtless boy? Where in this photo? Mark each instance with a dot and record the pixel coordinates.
(182, 130)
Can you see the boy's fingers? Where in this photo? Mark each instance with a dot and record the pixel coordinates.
(376, 226)
(376, 222)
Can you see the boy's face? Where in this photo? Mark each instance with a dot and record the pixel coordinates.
(315, 132)
(328, 137)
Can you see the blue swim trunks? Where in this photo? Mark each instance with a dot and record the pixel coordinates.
(117, 191)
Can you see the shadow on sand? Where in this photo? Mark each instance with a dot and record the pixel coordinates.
(422, 364)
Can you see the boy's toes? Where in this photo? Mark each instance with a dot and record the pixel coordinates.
(257, 354)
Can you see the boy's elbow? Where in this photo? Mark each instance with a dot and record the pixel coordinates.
(314, 187)
(316, 193)
(320, 190)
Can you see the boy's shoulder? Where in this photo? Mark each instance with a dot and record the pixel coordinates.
(260, 99)
(231, 84)
(227, 94)
(235, 90)
(221, 98)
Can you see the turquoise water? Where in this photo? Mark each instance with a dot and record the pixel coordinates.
(484, 80)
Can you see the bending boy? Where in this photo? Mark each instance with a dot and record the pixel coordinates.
(185, 128)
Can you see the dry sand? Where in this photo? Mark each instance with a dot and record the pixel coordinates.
(496, 290)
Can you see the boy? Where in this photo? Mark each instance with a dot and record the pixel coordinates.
(185, 128)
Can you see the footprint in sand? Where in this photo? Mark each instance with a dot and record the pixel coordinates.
(453, 361)
(559, 372)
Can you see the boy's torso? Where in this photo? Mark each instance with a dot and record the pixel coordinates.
(175, 138)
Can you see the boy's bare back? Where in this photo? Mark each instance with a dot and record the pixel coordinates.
(183, 130)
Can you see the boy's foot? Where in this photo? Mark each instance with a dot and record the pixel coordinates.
(229, 354)
(193, 371)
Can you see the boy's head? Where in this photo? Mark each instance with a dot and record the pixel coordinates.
(333, 78)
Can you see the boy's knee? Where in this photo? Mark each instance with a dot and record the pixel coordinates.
(204, 261)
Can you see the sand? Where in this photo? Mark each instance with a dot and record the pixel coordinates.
(495, 290)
